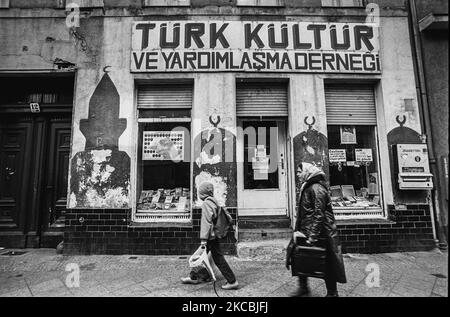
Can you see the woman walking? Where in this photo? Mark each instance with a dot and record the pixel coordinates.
(315, 220)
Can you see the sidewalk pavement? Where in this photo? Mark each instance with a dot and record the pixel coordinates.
(42, 272)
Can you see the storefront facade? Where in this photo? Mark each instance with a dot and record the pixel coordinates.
(168, 97)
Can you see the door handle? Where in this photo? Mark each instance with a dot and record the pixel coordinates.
(282, 163)
(9, 172)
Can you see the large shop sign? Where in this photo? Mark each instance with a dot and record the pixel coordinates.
(178, 46)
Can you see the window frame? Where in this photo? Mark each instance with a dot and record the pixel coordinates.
(260, 3)
(164, 220)
(166, 3)
(343, 4)
(375, 212)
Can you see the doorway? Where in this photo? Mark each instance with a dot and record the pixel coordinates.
(262, 167)
(34, 159)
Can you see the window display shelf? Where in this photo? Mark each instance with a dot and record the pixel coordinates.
(144, 217)
(353, 213)
(162, 212)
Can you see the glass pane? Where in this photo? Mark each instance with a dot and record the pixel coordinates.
(353, 158)
(260, 155)
(164, 167)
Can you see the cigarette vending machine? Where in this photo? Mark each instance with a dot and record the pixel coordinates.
(413, 168)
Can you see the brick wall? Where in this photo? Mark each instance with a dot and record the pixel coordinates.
(106, 231)
(407, 230)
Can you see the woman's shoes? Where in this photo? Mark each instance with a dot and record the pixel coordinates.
(188, 280)
(332, 294)
(231, 286)
(302, 292)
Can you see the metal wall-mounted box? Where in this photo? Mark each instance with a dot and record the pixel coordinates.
(413, 167)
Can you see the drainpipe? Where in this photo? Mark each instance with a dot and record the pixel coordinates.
(425, 120)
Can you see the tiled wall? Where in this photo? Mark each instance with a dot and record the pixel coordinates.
(105, 231)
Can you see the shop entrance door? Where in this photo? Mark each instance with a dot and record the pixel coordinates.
(262, 169)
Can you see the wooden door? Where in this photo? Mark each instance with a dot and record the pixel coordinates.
(15, 158)
(34, 164)
(56, 167)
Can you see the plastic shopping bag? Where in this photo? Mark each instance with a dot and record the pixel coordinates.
(200, 258)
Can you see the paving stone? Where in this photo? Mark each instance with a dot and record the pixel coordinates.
(441, 291)
(118, 284)
(410, 292)
(56, 292)
(95, 291)
(47, 286)
(131, 291)
(365, 291)
(392, 294)
(12, 284)
(23, 292)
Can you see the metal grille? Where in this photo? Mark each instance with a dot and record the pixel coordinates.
(176, 96)
(261, 99)
(350, 105)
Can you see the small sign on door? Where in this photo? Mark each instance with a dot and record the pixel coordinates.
(34, 107)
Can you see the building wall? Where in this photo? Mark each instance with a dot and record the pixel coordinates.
(103, 167)
(435, 60)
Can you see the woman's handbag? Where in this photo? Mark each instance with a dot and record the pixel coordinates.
(307, 260)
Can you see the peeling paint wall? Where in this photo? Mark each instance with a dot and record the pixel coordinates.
(100, 174)
(214, 126)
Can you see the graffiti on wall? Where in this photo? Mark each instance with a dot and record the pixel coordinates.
(311, 146)
(215, 161)
(100, 175)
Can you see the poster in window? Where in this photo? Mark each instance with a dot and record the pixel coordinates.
(260, 164)
(348, 134)
(337, 155)
(363, 155)
(373, 184)
(163, 145)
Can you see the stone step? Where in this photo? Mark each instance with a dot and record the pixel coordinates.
(264, 222)
(264, 234)
(267, 250)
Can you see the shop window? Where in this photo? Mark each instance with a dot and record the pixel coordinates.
(164, 169)
(163, 3)
(353, 151)
(343, 3)
(354, 174)
(261, 3)
(164, 154)
(82, 4)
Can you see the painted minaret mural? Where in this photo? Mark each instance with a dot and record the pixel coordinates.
(100, 175)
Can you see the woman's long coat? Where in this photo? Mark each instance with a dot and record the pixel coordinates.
(316, 220)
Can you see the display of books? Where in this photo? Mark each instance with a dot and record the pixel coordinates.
(346, 196)
(164, 200)
(348, 190)
(336, 192)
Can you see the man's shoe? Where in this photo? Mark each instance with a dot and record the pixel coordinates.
(188, 280)
(332, 294)
(231, 286)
